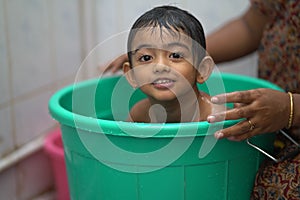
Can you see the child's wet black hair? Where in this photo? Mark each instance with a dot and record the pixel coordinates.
(174, 20)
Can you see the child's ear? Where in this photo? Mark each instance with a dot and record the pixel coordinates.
(128, 71)
(205, 68)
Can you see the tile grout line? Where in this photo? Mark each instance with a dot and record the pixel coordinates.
(52, 42)
(11, 92)
(11, 102)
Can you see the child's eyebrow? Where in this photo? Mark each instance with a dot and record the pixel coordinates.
(164, 47)
(142, 46)
(175, 44)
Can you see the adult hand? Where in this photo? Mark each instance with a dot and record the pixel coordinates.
(264, 111)
(117, 64)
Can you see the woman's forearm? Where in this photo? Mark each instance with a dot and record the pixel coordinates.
(238, 38)
(229, 42)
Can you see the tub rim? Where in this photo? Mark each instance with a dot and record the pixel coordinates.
(110, 127)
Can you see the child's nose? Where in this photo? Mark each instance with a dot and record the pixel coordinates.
(158, 68)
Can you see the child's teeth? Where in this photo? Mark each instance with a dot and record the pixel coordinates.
(162, 81)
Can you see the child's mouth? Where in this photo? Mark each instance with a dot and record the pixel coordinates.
(163, 83)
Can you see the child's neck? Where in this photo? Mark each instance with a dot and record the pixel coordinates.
(185, 109)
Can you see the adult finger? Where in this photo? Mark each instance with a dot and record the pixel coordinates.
(240, 131)
(244, 97)
(240, 112)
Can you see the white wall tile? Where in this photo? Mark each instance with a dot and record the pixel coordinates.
(32, 117)
(6, 135)
(245, 66)
(107, 16)
(28, 33)
(4, 73)
(67, 40)
(8, 182)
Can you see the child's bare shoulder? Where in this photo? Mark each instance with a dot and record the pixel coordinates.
(139, 112)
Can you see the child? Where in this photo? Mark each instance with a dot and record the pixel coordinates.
(167, 57)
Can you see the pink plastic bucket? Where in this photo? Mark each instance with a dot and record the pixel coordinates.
(54, 148)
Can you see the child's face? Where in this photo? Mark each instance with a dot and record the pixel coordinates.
(162, 64)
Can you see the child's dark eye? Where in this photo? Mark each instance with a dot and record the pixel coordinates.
(145, 58)
(176, 55)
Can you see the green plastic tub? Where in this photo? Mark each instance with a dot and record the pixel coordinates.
(110, 159)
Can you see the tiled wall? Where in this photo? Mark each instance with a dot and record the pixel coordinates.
(42, 44)
(40, 50)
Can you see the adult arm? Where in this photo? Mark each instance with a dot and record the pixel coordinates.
(117, 64)
(237, 38)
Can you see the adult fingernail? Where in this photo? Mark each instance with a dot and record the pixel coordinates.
(214, 100)
(232, 138)
(211, 118)
(219, 135)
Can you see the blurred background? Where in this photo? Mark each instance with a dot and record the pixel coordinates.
(42, 45)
